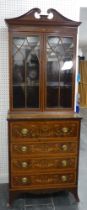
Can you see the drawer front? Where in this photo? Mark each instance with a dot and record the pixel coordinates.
(26, 164)
(43, 129)
(43, 180)
(39, 149)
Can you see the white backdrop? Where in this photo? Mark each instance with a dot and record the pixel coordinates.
(9, 9)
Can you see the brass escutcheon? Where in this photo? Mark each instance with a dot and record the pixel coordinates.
(24, 164)
(64, 178)
(64, 147)
(65, 130)
(64, 163)
(24, 131)
(24, 148)
(24, 180)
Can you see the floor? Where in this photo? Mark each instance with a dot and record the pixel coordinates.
(61, 200)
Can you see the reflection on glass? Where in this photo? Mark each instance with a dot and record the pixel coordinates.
(59, 71)
(26, 71)
(67, 65)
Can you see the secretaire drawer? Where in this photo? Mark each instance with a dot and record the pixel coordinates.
(41, 164)
(44, 129)
(43, 180)
(44, 148)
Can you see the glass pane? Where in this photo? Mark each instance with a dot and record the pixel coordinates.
(67, 61)
(52, 96)
(18, 73)
(66, 97)
(52, 82)
(33, 70)
(26, 52)
(18, 61)
(66, 78)
(59, 70)
(33, 97)
(52, 72)
(18, 97)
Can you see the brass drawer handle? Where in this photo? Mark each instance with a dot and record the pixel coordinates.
(64, 147)
(64, 178)
(24, 180)
(24, 131)
(24, 148)
(24, 164)
(64, 163)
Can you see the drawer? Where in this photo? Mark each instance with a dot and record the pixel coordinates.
(41, 149)
(26, 164)
(44, 129)
(43, 180)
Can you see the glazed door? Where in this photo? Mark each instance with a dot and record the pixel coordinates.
(26, 72)
(59, 72)
(43, 72)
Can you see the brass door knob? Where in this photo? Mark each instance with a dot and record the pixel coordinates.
(64, 147)
(24, 148)
(24, 131)
(64, 163)
(64, 178)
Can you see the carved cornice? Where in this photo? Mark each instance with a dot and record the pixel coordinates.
(29, 18)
